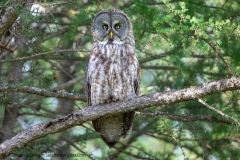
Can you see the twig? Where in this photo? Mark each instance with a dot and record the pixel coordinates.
(159, 67)
(60, 69)
(189, 118)
(154, 57)
(130, 140)
(219, 56)
(41, 55)
(79, 149)
(69, 83)
(219, 112)
(43, 92)
(6, 47)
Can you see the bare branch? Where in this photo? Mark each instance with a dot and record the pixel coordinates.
(131, 139)
(90, 113)
(154, 57)
(69, 83)
(64, 30)
(216, 50)
(43, 92)
(6, 47)
(160, 67)
(190, 118)
(219, 112)
(35, 56)
(79, 149)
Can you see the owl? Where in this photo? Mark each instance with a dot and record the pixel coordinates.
(112, 72)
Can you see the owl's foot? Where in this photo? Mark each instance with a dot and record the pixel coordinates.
(115, 99)
(108, 101)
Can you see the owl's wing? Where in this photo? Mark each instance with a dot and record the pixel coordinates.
(137, 82)
(129, 116)
(88, 86)
(88, 94)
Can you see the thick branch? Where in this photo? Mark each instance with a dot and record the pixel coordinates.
(90, 113)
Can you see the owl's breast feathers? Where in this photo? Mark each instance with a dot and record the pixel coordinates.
(113, 52)
(112, 75)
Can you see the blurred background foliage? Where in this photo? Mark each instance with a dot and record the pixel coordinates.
(179, 43)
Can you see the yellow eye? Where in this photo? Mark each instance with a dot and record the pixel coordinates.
(117, 26)
(105, 26)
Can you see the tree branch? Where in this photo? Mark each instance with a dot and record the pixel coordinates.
(69, 83)
(219, 112)
(154, 57)
(11, 16)
(189, 118)
(130, 140)
(40, 55)
(90, 113)
(43, 92)
(159, 67)
(6, 47)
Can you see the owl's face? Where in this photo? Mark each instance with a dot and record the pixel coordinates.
(111, 26)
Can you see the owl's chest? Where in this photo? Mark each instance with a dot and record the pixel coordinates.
(111, 63)
(111, 58)
(111, 72)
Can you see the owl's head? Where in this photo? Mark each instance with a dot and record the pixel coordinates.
(111, 27)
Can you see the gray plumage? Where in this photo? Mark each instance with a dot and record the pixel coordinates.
(112, 72)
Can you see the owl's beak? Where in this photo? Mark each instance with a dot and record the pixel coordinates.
(111, 34)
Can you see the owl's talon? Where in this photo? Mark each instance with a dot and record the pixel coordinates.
(108, 101)
(115, 100)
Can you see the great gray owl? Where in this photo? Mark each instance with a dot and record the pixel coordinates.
(112, 72)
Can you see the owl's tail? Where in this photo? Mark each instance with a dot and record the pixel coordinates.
(110, 144)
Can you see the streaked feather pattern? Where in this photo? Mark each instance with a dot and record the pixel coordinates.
(112, 75)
